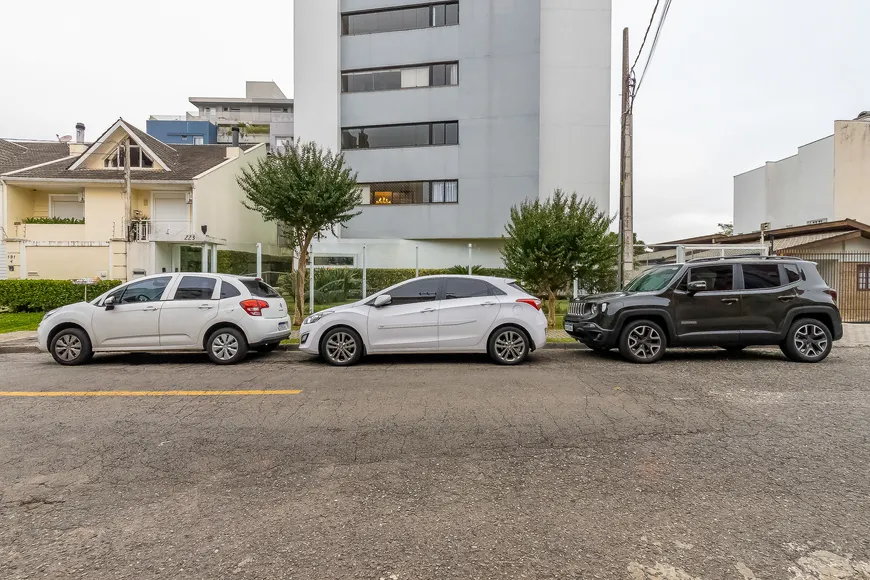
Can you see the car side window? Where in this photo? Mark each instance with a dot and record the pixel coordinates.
(195, 288)
(422, 290)
(718, 278)
(149, 290)
(760, 276)
(793, 273)
(229, 290)
(455, 288)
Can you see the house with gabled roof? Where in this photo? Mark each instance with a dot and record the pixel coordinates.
(123, 206)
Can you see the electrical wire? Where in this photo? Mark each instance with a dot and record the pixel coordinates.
(646, 34)
(665, 10)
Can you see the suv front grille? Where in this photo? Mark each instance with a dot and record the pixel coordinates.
(579, 309)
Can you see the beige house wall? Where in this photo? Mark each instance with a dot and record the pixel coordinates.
(852, 170)
(62, 263)
(19, 205)
(218, 200)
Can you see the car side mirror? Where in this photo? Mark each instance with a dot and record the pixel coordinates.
(697, 286)
(109, 303)
(383, 300)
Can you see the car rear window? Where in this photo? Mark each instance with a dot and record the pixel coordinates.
(259, 289)
(516, 286)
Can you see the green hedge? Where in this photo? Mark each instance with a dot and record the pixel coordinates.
(43, 295)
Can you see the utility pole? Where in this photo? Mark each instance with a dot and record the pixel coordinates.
(128, 190)
(626, 205)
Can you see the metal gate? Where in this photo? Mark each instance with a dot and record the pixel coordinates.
(849, 274)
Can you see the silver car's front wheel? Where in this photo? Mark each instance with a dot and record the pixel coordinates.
(341, 347)
(227, 346)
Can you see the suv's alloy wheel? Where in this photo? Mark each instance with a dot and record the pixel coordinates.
(642, 341)
(808, 340)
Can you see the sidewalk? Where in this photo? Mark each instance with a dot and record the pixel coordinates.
(853, 335)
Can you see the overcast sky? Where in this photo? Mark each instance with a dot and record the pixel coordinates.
(734, 83)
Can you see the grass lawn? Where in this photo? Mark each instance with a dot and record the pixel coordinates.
(15, 321)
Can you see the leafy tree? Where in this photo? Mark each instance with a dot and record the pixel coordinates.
(726, 229)
(307, 190)
(551, 242)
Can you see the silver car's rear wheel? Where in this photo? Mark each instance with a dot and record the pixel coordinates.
(508, 346)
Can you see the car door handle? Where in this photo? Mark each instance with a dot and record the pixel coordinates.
(786, 298)
(150, 309)
(427, 310)
(205, 306)
(488, 304)
(730, 300)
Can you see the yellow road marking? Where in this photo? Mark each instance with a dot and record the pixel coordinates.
(145, 393)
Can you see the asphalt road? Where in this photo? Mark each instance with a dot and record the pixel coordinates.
(575, 465)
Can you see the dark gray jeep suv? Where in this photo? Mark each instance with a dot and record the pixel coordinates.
(732, 303)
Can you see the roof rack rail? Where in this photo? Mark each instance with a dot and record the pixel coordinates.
(742, 257)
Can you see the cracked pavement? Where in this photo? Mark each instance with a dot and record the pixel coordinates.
(575, 465)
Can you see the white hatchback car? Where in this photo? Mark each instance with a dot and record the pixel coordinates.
(453, 314)
(220, 314)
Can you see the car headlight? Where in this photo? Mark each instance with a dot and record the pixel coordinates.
(50, 312)
(604, 307)
(593, 309)
(316, 317)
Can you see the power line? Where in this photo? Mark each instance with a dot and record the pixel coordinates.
(665, 10)
(645, 34)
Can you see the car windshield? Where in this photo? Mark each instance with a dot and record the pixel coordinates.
(653, 280)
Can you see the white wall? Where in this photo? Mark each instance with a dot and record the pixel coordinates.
(750, 200)
(575, 98)
(316, 27)
(788, 192)
(401, 253)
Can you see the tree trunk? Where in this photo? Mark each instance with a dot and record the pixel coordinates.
(551, 308)
(299, 307)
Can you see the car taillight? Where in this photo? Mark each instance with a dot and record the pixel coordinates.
(533, 302)
(832, 293)
(254, 307)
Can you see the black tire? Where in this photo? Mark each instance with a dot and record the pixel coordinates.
(642, 342)
(807, 341)
(226, 346)
(267, 347)
(341, 346)
(733, 348)
(508, 346)
(71, 346)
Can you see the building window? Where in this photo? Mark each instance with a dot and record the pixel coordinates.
(389, 79)
(387, 136)
(396, 19)
(414, 192)
(138, 158)
(338, 261)
(67, 207)
(863, 276)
